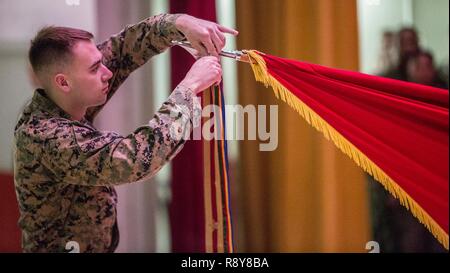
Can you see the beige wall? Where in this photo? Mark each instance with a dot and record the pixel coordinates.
(432, 22)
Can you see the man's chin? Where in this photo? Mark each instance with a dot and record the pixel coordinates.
(98, 103)
(102, 102)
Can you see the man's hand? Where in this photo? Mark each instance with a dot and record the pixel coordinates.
(206, 37)
(205, 72)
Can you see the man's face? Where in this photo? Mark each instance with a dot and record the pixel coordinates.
(409, 43)
(421, 70)
(88, 76)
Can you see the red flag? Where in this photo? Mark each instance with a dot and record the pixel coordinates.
(396, 131)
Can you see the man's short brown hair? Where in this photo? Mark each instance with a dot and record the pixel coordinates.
(53, 45)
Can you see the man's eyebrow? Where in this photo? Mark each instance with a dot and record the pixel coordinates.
(95, 64)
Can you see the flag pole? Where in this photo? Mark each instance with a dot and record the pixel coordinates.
(238, 55)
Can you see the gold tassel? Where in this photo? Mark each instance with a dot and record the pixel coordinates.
(260, 70)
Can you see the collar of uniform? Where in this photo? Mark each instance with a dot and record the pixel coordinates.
(42, 102)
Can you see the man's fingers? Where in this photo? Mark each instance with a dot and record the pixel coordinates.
(218, 43)
(221, 36)
(218, 76)
(210, 47)
(228, 30)
(201, 50)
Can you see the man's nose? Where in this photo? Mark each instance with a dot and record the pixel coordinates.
(107, 74)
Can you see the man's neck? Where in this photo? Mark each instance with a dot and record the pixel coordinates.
(75, 112)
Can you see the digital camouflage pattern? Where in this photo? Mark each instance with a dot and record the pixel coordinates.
(65, 170)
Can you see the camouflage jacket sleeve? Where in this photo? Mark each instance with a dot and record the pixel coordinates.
(134, 46)
(76, 153)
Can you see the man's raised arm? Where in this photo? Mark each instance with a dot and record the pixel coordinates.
(134, 46)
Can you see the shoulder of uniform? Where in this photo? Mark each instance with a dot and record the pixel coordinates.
(42, 126)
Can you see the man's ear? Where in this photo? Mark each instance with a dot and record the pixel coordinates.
(62, 83)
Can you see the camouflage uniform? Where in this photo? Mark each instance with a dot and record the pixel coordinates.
(65, 170)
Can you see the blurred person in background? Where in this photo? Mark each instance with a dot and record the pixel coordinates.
(420, 69)
(389, 52)
(408, 43)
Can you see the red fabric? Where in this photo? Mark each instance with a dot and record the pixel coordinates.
(402, 127)
(9, 215)
(186, 209)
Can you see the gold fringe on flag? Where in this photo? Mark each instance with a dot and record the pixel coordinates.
(261, 74)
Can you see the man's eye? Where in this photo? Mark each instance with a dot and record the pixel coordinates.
(95, 69)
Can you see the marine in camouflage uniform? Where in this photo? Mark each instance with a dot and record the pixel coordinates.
(65, 170)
